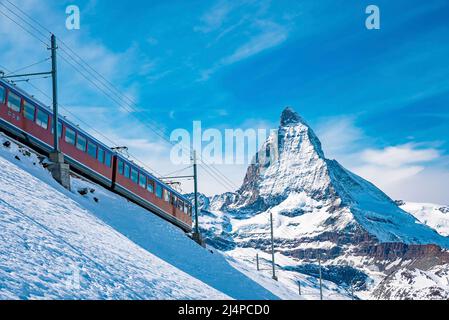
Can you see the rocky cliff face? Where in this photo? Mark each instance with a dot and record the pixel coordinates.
(319, 209)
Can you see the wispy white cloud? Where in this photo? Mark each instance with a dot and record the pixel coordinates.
(269, 34)
(399, 156)
(214, 17)
(18, 49)
(411, 171)
(390, 167)
(339, 135)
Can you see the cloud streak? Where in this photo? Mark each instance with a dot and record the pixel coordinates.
(269, 35)
(405, 171)
(214, 18)
(398, 156)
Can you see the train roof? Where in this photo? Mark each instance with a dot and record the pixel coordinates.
(42, 105)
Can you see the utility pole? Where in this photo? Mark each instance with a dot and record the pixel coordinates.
(196, 233)
(352, 290)
(54, 77)
(321, 277)
(59, 169)
(272, 247)
(257, 262)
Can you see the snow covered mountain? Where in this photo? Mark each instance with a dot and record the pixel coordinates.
(321, 209)
(93, 244)
(434, 215)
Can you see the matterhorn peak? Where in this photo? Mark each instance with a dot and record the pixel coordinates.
(296, 178)
(290, 117)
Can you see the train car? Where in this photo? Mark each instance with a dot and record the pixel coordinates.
(30, 121)
(143, 188)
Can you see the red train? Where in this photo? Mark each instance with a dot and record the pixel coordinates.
(31, 122)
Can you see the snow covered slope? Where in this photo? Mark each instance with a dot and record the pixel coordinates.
(56, 244)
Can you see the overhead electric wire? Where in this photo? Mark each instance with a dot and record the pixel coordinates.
(222, 179)
(27, 67)
(25, 29)
(28, 80)
(120, 95)
(21, 19)
(210, 171)
(177, 171)
(66, 109)
(28, 16)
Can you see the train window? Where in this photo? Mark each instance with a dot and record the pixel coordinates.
(121, 167)
(29, 111)
(167, 195)
(59, 129)
(2, 95)
(158, 190)
(69, 136)
(134, 176)
(142, 180)
(42, 119)
(126, 171)
(100, 156)
(14, 102)
(186, 208)
(81, 143)
(108, 159)
(150, 186)
(92, 149)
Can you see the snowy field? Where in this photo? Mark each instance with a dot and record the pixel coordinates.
(56, 244)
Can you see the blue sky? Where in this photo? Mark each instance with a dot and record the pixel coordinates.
(379, 99)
